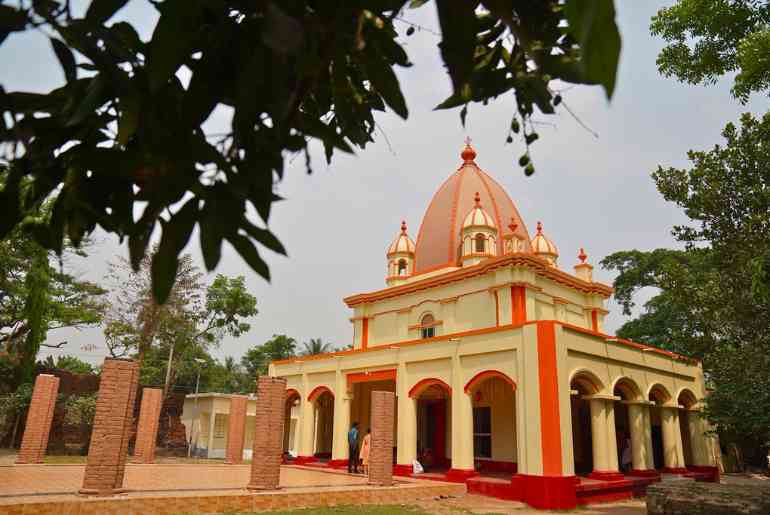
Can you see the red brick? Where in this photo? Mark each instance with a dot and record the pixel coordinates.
(268, 434)
(147, 428)
(236, 430)
(39, 417)
(381, 451)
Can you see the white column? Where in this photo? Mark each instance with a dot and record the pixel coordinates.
(598, 434)
(306, 421)
(649, 458)
(612, 441)
(462, 421)
(698, 440)
(636, 426)
(407, 420)
(212, 421)
(341, 417)
(672, 440)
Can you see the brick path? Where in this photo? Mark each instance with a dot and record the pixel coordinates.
(49, 479)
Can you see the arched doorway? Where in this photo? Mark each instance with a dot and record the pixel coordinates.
(291, 416)
(582, 384)
(323, 422)
(658, 396)
(493, 399)
(687, 401)
(432, 404)
(625, 432)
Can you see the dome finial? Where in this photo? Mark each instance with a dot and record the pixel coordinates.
(513, 225)
(468, 154)
(540, 227)
(477, 199)
(582, 256)
(403, 226)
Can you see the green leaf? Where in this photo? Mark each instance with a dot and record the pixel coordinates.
(385, 82)
(265, 237)
(249, 253)
(282, 33)
(10, 202)
(172, 40)
(102, 10)
(66, 59)
(11, 20)
(176, 234)
(130, 109)
(93, 100)
(164, 267)
(458, 39)
(592, 24)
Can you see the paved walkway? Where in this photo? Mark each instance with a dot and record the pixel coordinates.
(53, 479)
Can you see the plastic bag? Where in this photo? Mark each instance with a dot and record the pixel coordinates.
(417, 467)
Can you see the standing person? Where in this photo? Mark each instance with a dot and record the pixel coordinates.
(366, 445)
(625, 459)
(353, 449)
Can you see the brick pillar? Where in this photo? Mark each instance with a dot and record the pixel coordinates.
(236, 429)
(147, 428)
(112, 428)
(381, 452)
(39, 417)
(268, 434)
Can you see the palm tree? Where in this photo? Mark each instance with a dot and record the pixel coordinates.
(316, 346)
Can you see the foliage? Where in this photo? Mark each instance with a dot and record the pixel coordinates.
(711, 301)
(257, 358)
(124, 134)
(316, 346)
(80, 409)
(231, 377)
(12, 407)
(70, 363)
(708, 39)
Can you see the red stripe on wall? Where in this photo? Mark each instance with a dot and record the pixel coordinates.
(550, 425)
(594, 321)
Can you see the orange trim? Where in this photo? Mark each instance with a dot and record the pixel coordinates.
(594, 320)
(425, 326)
(291, 392)
(453, 220)
(317, 392)
(549, 399)
(540, 267)
(487, 374)
(423, 385)
(366, 377)
(518, 304)
(365, 334)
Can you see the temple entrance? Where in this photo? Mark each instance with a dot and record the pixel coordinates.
(323, 428)
(627, 391)
(582, 438)
(433, 431)
(291, 416)
(659, 397)
(493, 397)
(361, 406)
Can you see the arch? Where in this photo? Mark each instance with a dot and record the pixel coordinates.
(402, 267)
(427, 325)
(291, 393)
(317, 392)
(479, 243)
(487, 374)
(685, 397)
(424, 384)
(586, 379)
(629, 390)
(658, 393)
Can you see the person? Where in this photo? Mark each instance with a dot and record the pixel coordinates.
(366, 445)
(353, 449)
(625, 459)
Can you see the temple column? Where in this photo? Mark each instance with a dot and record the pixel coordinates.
(641, 452)
(612, 439)
(673, 459)
(406, 441)
(307, 424)
(604, 443)
(462, 427)
(700, 452)
(341, 419)
(649, 457)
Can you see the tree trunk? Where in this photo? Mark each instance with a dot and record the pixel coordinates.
(12, 445)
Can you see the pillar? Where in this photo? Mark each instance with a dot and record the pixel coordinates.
(39, 417)
(407, 425)
(147, 427)
(381, 451)
(462, 427)
(603, 441)
(649, 458)
(268, 435)
(698, 439)
(307, 426)
(673, 458)
(212, 425)
(236, 430)
(641, 451)
(112, 428)
(341, 421)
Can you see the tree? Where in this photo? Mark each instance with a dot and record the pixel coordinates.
(125, 135)
(316, 346)
(712, 301)
(708, 40)
(69, 363)
(230, 377)
(257, 358)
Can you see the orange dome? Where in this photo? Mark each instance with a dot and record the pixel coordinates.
(438, 242)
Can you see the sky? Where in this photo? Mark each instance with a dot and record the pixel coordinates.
(592, 188)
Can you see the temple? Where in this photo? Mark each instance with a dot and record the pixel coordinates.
(504, 376)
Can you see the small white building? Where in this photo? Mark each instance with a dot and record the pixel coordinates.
(206, 418)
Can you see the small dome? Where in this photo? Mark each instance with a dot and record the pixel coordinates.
(403, 244)
(542, 246)
(477, 217)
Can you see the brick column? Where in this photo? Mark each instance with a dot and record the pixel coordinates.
(112, 428)
(381, 452)
(39, 417)
(236, 430)
(268, 434)
(147, 428)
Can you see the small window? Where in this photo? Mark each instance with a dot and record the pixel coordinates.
(428, 329)
(480, 243)
(219, 427)
(482, 432)
(402, 267)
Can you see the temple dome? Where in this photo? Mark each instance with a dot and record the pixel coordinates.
(438, 241)
(403, 244)
(542, 246)
(477, 217)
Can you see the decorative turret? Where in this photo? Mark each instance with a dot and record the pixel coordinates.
(584, 270)
(478, 234)
(512, 243)
(544, 247)
(400, 258)
(468, 154)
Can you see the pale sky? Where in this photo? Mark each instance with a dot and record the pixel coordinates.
(591, 192)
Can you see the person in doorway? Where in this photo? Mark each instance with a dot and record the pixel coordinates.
(353, 449)
(366, 446)
(625, 457)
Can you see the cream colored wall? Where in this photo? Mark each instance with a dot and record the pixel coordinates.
(500, 397)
